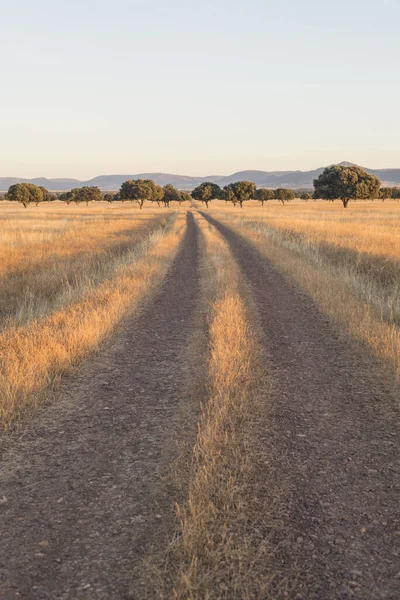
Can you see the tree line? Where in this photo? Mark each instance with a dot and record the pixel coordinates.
(338, 182)
(146, 190)
(139, 190)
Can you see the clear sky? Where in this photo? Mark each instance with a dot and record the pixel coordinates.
(91, 87)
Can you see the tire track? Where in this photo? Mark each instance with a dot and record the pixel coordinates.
(335, 428)
(81, 490)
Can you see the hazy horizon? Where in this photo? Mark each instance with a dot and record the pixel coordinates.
(95, 88)
(154, 171)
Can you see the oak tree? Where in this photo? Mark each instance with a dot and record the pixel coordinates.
(240, 192)
(184, 197)
(85, 194)
(264, 194)
(158, 194)
(284, 195)
(386, 193)
(138, 190)
(171, 194)
(47, 196)
(110, 197)
(206, 191)
(25, 193)
(228, 194)
(305, 196)
(346, 183)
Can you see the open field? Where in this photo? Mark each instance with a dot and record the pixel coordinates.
(370, 227)
(200, 404)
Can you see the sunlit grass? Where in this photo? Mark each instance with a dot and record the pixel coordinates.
(371, 227)
(27, 237)
(36, 350)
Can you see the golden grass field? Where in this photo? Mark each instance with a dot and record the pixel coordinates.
(371, 227)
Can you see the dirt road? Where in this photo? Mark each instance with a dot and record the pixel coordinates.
(336, 428)
(81, 490)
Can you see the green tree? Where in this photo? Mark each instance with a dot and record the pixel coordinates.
(85, 194)
(110, 197)
(346, 183)
(25, 193)
(171, 194)
(263, 195)
(244, 190)
(396, 194)
(184, 197)
(228, 194)
(386, 193)
(284, 195)
(305, 196)
(47, 196)
(206, 191)
(239, 192)
(158, 195)
(66, 197)
(139, 190)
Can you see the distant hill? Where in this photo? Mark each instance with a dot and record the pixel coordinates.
(271, 179)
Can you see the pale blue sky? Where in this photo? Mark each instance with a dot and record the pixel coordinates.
(90, 87)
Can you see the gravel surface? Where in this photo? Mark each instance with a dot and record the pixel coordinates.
(81, 490)
(336, 431)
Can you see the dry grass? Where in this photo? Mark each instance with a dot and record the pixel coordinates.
(348, 263)
(55, 231)
(33, 356)
(58, 280)
(365, 227)
(219, 550)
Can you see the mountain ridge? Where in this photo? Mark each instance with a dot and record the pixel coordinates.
(273, 179)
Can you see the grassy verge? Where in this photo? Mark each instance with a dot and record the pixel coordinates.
(32, 357)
